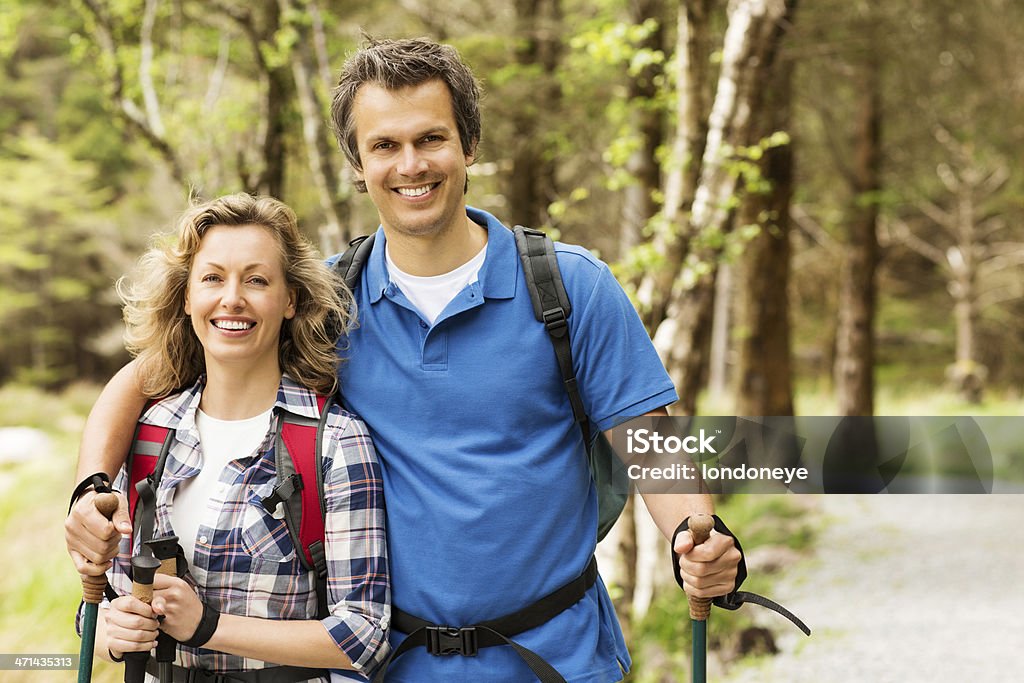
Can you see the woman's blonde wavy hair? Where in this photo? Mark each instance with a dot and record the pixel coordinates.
(160, 335)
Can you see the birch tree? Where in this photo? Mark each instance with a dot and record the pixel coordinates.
(670, 242)
(682, 336)
(145, 120)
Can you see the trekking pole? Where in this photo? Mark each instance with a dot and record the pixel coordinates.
(700, 528)
(143, 570)
(92, 595)
(165, 549)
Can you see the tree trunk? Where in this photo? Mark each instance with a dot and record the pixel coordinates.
(639, 204)
(969, 377)
(270, 181)
(855, 347)
(260, 23)
(972, 252)
(750, 41)
(764, 367)
(318, 139)
(626, 573)
(764, 373)
(693, 54)
(532, 183)
(721, 333)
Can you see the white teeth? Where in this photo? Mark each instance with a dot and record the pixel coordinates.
(414, 191)
(232, 324)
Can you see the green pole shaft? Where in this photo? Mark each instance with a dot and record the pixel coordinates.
(92, 595)
(88, 642)
(700, 608)
(700, 651)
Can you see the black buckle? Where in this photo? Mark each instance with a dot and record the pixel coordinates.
(446, 640)
(282, 492)
(554, 319)
(204, 676)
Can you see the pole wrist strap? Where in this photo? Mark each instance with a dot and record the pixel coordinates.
(98, 482)
(734, 599)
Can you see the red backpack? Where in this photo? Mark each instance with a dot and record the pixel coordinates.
(298, 459)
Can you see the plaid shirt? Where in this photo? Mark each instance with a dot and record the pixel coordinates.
(245, 561)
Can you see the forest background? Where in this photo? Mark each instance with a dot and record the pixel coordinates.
(815, 205)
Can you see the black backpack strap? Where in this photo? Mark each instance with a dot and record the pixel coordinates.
(551, 306)
(270, 674)
(146, 489)
(350, 264)
(317, 547)
(305, 525)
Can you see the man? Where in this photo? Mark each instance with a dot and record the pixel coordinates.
(490, 504)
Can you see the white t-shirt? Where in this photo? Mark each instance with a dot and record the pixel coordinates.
(221, 441)
(431, 294)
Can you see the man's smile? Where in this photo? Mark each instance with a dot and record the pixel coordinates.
(417, 191)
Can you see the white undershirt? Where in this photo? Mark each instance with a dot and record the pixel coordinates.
(221, 442)
(431, 294)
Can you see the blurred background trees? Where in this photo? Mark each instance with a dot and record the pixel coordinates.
(799, 194)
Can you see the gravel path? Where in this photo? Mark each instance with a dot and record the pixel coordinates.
(903, 589)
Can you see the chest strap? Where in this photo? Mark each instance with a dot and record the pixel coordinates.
(466, 641)
(273, 674)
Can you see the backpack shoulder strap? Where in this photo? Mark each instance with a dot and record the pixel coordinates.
(350, 264)
(299, 490)
(552, 307)
(144, 466)
(146, 458)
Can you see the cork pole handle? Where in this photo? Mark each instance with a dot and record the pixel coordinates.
(700, 526)
(165, 549)
(143, 570)
(92, 586)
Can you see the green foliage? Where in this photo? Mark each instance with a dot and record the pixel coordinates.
(10, 23)
(617, 43)
(53, 261)
(643, 258)
(743, 162)
(606, 55)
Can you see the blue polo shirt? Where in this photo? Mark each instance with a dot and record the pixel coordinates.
(490, 503)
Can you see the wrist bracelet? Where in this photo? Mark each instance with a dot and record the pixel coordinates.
(206, 628)
(114, 657)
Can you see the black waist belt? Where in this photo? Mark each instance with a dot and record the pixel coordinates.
(467, 640)
(273, 674)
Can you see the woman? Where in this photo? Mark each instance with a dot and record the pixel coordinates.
(241, 310)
